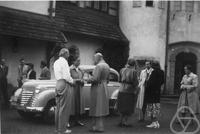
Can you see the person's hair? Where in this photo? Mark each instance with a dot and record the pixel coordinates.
(131, 62)
(31, 65)
(21, 59)
(189, 67)
(148, 61)
(75, 60)
(63, 51)
(155, 65)
(43, 63)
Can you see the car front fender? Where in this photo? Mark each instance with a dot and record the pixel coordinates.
(44, 97)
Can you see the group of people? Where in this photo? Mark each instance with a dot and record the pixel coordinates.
(136, 92)
(143, 94)
(26, 72)
(69, 89)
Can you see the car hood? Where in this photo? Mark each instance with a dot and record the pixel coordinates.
(35, 83)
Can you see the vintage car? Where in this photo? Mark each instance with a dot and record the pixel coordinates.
(37, 97)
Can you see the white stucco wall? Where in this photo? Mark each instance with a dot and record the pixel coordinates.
(40, 7)
(33, 51)
(87, 47)
(145, 29)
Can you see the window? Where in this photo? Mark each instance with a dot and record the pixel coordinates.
(104, 6)
(113, 8)
(177, 5)
(137, 3)
(110, 7)
(149, 3)
(88, 3)
(189, 6)
(73, 2)
(161, 4)
(96, 5)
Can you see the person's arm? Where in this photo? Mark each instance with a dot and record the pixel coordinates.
(95, 76)
(66, 72)
(48, 74)
(194, 85)
(135, 82)
(6, 71)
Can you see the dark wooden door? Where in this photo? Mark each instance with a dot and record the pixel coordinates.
(183, 59)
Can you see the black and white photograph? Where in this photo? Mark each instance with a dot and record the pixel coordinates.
(99, 66)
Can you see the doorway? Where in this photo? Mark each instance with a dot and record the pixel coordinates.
(183, 59)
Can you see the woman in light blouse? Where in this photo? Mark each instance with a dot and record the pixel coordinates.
(189, 95)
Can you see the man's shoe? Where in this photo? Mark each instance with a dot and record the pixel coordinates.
(68, 131)
(152, 125)
(79, 123)
(126, 125)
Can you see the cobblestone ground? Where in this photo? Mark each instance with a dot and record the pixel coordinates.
(12, 123)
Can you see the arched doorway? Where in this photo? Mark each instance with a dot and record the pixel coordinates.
(183, 59)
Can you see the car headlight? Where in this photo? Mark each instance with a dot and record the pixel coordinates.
(37, 91)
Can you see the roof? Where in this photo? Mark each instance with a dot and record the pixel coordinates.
(89, 22)
(28, 25)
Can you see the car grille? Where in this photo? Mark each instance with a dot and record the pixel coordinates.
(26, 97)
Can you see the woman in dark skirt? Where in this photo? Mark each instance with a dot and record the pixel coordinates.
(128, 91)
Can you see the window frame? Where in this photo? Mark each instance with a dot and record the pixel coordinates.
(137, 4)
(161, 4)
(175, 6)
(112, 8)
(153, 3)
(189, 6)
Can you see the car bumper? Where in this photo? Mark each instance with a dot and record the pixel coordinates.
(27, 108)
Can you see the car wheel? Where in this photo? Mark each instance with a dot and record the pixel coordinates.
(26, 115)
(49, 112)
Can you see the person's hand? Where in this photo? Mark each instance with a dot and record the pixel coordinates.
(182, 86)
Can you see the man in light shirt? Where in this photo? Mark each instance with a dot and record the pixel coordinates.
(63, 92)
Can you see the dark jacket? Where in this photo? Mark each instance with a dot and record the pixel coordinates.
(32, 75)
(3, 72)
(153, 86)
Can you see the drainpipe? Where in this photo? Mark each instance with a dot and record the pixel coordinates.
(51, 10)
(167, 44)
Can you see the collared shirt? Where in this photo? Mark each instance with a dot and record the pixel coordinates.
(62, 70)
(148, 73)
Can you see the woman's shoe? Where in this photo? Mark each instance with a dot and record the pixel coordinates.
(158, 125)
(126, 125)
(152, 125)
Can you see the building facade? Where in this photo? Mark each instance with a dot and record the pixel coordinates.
(144, 24)
(36, 31)
(118, 29)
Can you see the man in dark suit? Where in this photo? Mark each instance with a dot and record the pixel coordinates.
(3, 81)
(31, 73)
